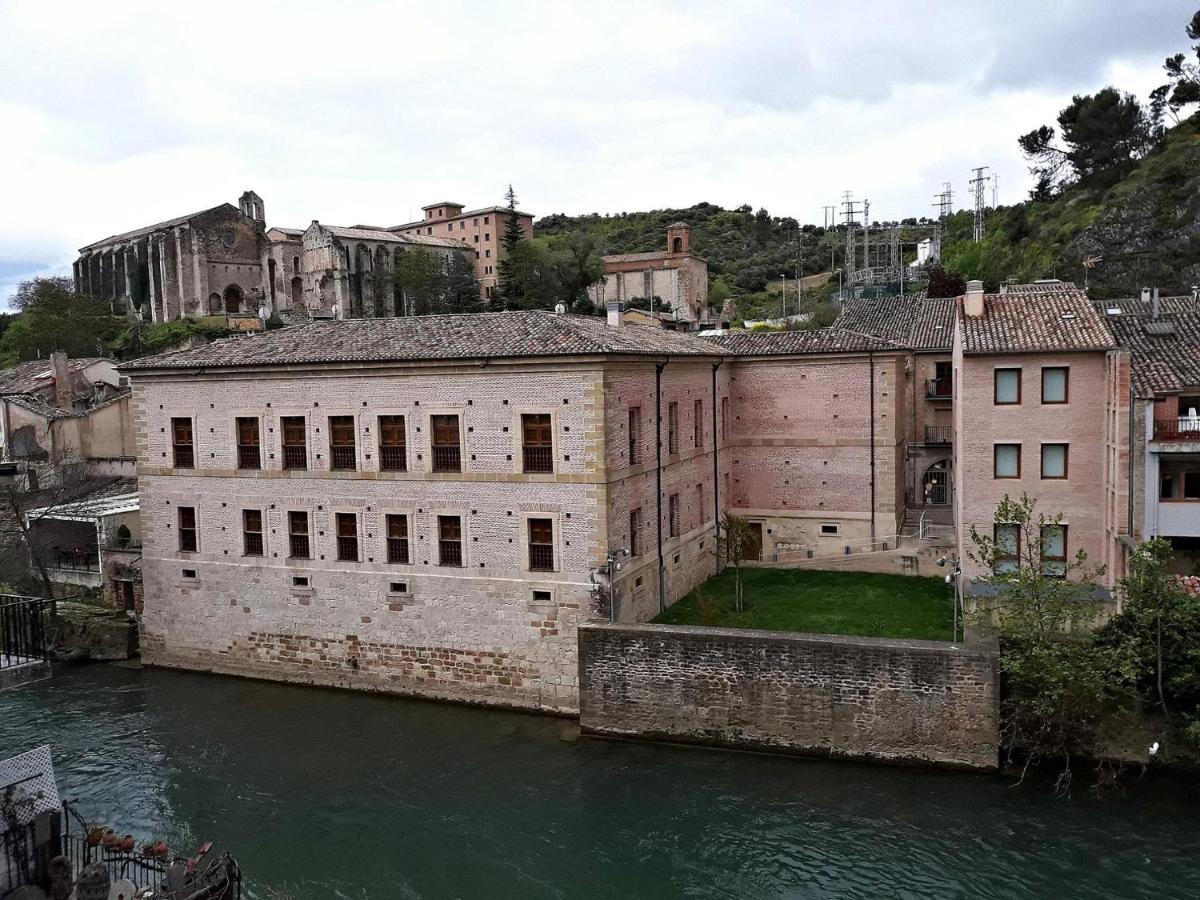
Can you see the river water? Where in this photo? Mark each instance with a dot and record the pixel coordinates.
(325, 794)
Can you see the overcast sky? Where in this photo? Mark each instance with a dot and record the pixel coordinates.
(118, 115)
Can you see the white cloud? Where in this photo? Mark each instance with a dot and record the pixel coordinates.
(120, 115)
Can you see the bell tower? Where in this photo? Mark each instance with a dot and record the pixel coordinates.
(679, 238)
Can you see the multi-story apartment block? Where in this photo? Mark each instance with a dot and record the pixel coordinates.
(482, 230)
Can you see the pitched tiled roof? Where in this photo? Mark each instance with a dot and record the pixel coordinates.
(370, 234)
(642, 257)
(1164, 352)
(27, 377)
(150, 229)
(1137, 306)
(789, 343)
(39, 406)
(914, 321)
(1035, 322)
(1040, 287)
(531, 333)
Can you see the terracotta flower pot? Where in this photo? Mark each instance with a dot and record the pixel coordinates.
(161, 849)
(95, 835)
(128, 843)
(110, 839)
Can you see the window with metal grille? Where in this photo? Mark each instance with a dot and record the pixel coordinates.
(672, 428)
(247, 443)
(541, 545)
(393, 444)
(446, 454)
(450, 541)
(537, 451)
(252, 532)
(298, 535)
(295, 442)
(341, 443)
(673, 515)
(698, 424)
(187, 529)
(347, 537)
(397, 538)
(635, 435)
(182, 443)
(635, 532)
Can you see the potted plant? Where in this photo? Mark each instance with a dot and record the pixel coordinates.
(128, 843)
(94, 835)
(110, 839)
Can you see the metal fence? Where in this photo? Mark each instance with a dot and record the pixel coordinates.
(22, 630)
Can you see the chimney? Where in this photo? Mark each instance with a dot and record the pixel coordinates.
(1145, 295)
(1196, 293)
(973, 299)
(616, 318)
(62, 382)
(1154, 304)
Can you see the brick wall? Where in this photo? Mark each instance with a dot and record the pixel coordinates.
(890, 700)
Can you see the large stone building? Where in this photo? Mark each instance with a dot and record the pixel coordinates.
(677, 277)
(225, 261)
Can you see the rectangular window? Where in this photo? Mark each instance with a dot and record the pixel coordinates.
(393, 450)
(673, 515)
(1007, 388)
(541, 545)
(247, 443)
(830, 528)
(295, 442)
(298, 535)
(446, 454)
(635, 435)
(635, 532)
(347, 537)
(342, 453)
(1055, 384)
(537, 452)
(187, 529)
(487, 254)
(1054, 460)
(450, 541)
(252, 532)
(1191, 485)
(397, 538)
(1054, 550)
(181, 443)
(1008, 543)
(698, 424)
(672, 428)
(1007, 461)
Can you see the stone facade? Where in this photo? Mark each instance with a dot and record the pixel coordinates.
(868, 698)
(676, 277)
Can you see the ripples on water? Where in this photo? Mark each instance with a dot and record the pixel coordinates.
(326, 794)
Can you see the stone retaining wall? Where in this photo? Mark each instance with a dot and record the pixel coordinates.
(872, 698)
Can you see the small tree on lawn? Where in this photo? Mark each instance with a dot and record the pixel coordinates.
(1060, 682)
(733, 540)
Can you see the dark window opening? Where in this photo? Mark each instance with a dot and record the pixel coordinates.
(393, 449)
(341, 443)
(541, 545)
(450, 541)
(295, 443)
(298, 535)
(446, 453)
(635, 532)
(188, 535)
(252, 532)
(182, 443)
(397, 538)
(537, 450)
(248, 453)
(635, 435)
(347, 537)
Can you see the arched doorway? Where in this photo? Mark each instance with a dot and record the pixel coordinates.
(233, 299)
(677, 245)
(935, 484)
(214, 303)
(297, 291)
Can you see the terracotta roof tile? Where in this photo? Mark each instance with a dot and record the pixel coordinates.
(789, 343)
(531, 333)
(915, 321)
(1164, 352)
(1035, 322)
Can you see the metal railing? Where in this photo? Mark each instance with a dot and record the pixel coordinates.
(298, 545)
(295, 456)
(939, 434)
(393, 458)
(76, 560)
(447, 459)
(184, 456)
(939, 388)
(449, 553)
(22, 630)
(248, 456)
(397, 550)
(1183, 429)
(347, 549)
(537, 458)
(541, 557)
(343, 456)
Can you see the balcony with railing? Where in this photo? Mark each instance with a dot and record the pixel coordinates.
(450, 553)
(537, 458)
(447, 459)
(393, 458)
(295, 456)
(1186, 428)
(298, 546)
(939, 435)
(342, 457)
(23, 631)
(541, 557)
(248, 456)
(939, 389)
(347, 549)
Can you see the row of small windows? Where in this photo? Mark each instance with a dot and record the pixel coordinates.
(1050, 549)
(346, 545)
(634, 429)
(537, 450)
(1006, 389)
(1006, 461)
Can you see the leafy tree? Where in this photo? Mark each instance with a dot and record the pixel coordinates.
(1060, 681)
(54, 317)
(1103, 137)
(577, 266)
(429, 283)
(1183, 85)
(945, 283)
(513, 269)
(733, 541)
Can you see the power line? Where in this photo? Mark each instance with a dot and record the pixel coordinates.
(978, 184)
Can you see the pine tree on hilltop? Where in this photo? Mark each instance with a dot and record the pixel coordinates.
(510, 290)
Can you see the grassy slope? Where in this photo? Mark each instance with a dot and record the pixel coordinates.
(822, 602)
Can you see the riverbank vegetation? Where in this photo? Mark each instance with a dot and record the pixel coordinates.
(807, 600)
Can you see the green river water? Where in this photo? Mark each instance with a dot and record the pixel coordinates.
(325, 794)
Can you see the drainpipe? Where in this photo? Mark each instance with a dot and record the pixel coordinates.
(1129, 464)
(871, 364)
(662, 570)
(716, 457)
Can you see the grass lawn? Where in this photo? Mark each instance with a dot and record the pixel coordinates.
(860, 603)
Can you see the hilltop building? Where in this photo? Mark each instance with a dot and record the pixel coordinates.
(677, 277)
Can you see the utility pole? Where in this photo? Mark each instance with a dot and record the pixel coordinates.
(850, 263)
(978, 183)
(866, 231)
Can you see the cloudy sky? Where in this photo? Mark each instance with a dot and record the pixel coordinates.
(118, 115)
